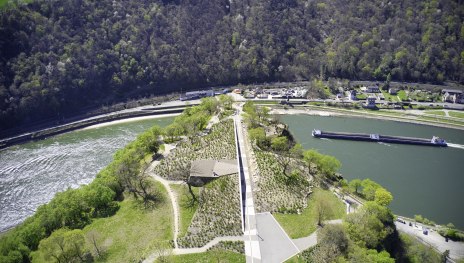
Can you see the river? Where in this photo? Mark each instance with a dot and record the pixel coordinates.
(423, 180)
(31, 173)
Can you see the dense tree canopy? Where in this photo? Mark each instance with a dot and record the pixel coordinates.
(59, 56)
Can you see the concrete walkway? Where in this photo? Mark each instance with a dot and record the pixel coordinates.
(276, 246)
(306, 242)
(252, 248)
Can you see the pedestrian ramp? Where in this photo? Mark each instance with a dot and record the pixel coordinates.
(275, 244)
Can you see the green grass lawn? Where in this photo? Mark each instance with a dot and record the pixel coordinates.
(402, 95)
(415, 251)
(134, 231)
(266, 102)
(438, 119)
(386, 112)
(389, 97)
(435, 112)
(211, 256)
(456, 114)
(304, 224)
(3, 2)
(296, 259)
(185, 209)
(316, 103)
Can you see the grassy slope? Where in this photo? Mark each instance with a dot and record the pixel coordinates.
(415, 251)
(133, 231)
(388, 96)
(222, 256)
(4, 2)
(304, 224)
(296, 259)
(186, 212)
(402, 95)
(456, 114)
(435, 112)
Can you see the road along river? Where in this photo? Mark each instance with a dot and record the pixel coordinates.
(423, 179)
(31, 173)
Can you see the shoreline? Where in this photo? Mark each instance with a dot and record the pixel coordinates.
(328, 113)
(114, 118)
(105, 124)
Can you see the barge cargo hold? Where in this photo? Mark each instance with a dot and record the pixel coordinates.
(435, 141)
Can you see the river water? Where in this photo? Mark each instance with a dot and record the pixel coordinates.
(423, 180)
(31, 173)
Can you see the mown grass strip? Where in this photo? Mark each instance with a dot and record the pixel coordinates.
(435, 112)
(456, 114)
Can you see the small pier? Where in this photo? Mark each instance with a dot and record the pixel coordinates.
(435, 141)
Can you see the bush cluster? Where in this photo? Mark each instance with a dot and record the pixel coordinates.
(234, 246)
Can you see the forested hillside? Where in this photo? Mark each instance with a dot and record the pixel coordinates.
(57, 56)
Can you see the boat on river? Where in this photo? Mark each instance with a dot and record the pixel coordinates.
(435, 141)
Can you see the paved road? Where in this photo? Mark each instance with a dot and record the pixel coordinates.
(433, 239)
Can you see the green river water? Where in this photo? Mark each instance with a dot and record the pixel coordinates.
(423, 180)
(31, 173)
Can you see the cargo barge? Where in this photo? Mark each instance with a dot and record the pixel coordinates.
(435, 141)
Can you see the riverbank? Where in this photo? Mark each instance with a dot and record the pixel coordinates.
(326, 111)
(133, 119)
(170, 108)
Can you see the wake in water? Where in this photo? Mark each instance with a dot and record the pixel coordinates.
(386, 144)
(459, 146)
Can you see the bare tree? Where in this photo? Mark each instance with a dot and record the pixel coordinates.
(324, 209)
(163, 252)
(185, 174)
(94, 238)
(284, 161)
